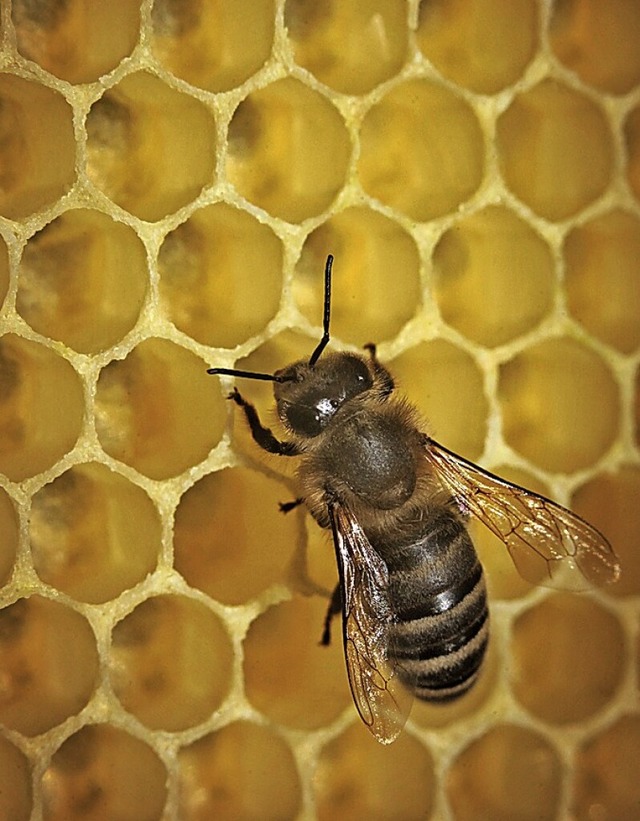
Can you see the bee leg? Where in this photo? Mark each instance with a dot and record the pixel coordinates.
(335, 607)
(382, 373)
(285, 507)
(261, 435)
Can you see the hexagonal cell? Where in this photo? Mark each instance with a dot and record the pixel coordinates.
(41, 407)
(556, 149)
(606, 774)
(103, 772)
(335, 41)
(37, 146)
(610, 501)
(223, 526)
(509, 772)
(601, 278)
(376, 276)
(242, 771)
(16, 799)
(421, 150)
(446, 385)
(286, 638)
(560, 405)
(170, 662)
(77, 41)
(150, 148)
(8, 537)
(288, 150)
(598, 42)
(494, 276)
(207, 45)
(632, 143)
(204, 284)
(93, 533)
(358, 778)
(484, 45)
(83, 279)
(49, 664)
(157, 410)
(4, 271)
(568, 658)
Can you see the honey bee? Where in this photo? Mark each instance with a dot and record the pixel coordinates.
(411, 589)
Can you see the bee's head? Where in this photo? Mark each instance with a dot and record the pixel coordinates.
(309, 395)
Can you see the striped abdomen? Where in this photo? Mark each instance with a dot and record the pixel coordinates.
(438, 592)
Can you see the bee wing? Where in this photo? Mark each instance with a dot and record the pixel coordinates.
(382, 700)
(548, 544)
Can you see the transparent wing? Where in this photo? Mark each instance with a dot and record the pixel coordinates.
(548, 543)
(381, 698)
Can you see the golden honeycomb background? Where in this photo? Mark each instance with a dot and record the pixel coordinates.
(172, 177)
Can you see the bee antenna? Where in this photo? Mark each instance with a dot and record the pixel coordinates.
(327, 313)
(267, 377)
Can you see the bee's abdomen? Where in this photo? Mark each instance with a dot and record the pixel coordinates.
(438, 592)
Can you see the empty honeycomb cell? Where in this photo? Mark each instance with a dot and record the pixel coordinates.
(8, 536)
(376, 276)
(37, 147)
(204, 285)
(446, 385)
(610, 501)
(568, 658)
(358, 778)
(503, 579)
(421, 150)
(289, 676)
(93, 533)
(599, 42)
(231, 540)
(150, 148)
(207, 45)
(632, 143)
(243, 771)
(83, 279)
(157, 410)
(494, 276)
(509, 772)
(78, 41)
(606, 782)
(601, 278)
(484, 45)
(560, 405)
(4, 271)
(288, 150)
(170, 662)
(41, 407)
(335, 40)
(16, 802)
(103, 772)
(556, 149)
(48, 664)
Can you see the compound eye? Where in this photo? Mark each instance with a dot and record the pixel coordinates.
(356, 377)
(305, 420)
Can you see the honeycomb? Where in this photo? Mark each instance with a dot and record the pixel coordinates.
(172, 177)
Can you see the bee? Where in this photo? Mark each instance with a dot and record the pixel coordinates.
(411, 589)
